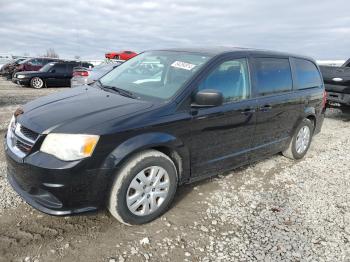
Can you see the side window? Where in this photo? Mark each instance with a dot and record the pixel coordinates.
(34, 62)
(70, 68)
(307, 74)
(273, 75)
(60, 68)
(231, 78)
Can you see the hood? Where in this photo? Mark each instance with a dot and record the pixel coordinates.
(29, 72)
(78, 110)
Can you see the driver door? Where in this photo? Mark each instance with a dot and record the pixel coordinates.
(223, 135)
(57, 75)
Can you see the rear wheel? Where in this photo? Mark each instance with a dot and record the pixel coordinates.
(36, 82)
(301, 140)
(143, 188)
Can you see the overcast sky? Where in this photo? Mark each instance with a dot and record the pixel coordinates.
(320, 29)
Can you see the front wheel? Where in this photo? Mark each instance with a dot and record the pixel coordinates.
(301, 140)
(36, 82)
(143, 188)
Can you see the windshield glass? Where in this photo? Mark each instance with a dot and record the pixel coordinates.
(155, 74)
(46, 67)
(25, 61)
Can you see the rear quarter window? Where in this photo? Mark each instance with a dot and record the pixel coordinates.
(306, 74)
(273, 75)
(60, 68)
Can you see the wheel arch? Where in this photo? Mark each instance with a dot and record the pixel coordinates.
(310, 113)
(163, 142)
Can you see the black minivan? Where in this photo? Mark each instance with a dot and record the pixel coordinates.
(159, 120)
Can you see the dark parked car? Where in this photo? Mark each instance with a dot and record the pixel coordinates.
(32, 64)
(52, 74)
(337, 84)
(130, 139)
(84, 76)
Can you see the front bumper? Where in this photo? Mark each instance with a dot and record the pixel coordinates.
(21, 81)
(57, 187)
(334, 98)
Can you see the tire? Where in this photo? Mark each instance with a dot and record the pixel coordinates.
(296, 150)
(117, 57)
(130, 199)
(36, 82)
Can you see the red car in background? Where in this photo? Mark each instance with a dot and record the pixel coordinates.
(121, 55)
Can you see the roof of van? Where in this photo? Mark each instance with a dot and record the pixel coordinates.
(218, 50)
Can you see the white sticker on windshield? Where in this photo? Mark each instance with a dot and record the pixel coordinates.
(183, 65)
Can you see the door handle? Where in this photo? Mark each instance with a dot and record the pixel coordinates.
(265, 108)
(248, 111)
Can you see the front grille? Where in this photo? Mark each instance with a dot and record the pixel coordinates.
(21, 140)
(25, 148)
(29, 133)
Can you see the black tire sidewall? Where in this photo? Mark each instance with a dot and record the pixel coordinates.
(123, 210)
(308, 123)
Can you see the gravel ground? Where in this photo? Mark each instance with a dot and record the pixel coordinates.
(274, 210)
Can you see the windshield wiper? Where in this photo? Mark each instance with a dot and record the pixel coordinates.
(120, 91)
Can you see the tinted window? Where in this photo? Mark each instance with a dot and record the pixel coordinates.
(60, 68)
(307, 74)
(273, 75)
(70, 68)
(231, 78)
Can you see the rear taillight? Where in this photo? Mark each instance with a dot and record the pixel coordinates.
(80, 73)
(324, 99)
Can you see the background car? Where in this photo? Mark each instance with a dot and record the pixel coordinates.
(121, 55)
(32, 64)
(84, 76)
(4, 59)
(52, 74)
(7, 69)
(337, 84)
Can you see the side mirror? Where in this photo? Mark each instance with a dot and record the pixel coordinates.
(53, 71)
(208, 98)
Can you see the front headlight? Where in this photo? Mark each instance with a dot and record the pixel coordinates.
(20, 76)
(12, 124)
(69, 147)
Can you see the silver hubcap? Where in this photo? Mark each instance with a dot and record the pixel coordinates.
(37, 82)
(148, 190)
(303, 139)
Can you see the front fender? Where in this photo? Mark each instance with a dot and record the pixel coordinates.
(146, 141)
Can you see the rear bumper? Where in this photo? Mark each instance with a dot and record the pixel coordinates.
(78, 81)
(333, 98)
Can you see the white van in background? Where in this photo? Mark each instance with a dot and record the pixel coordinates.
(5, 58)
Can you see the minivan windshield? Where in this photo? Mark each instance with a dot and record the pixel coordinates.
(155, 74)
